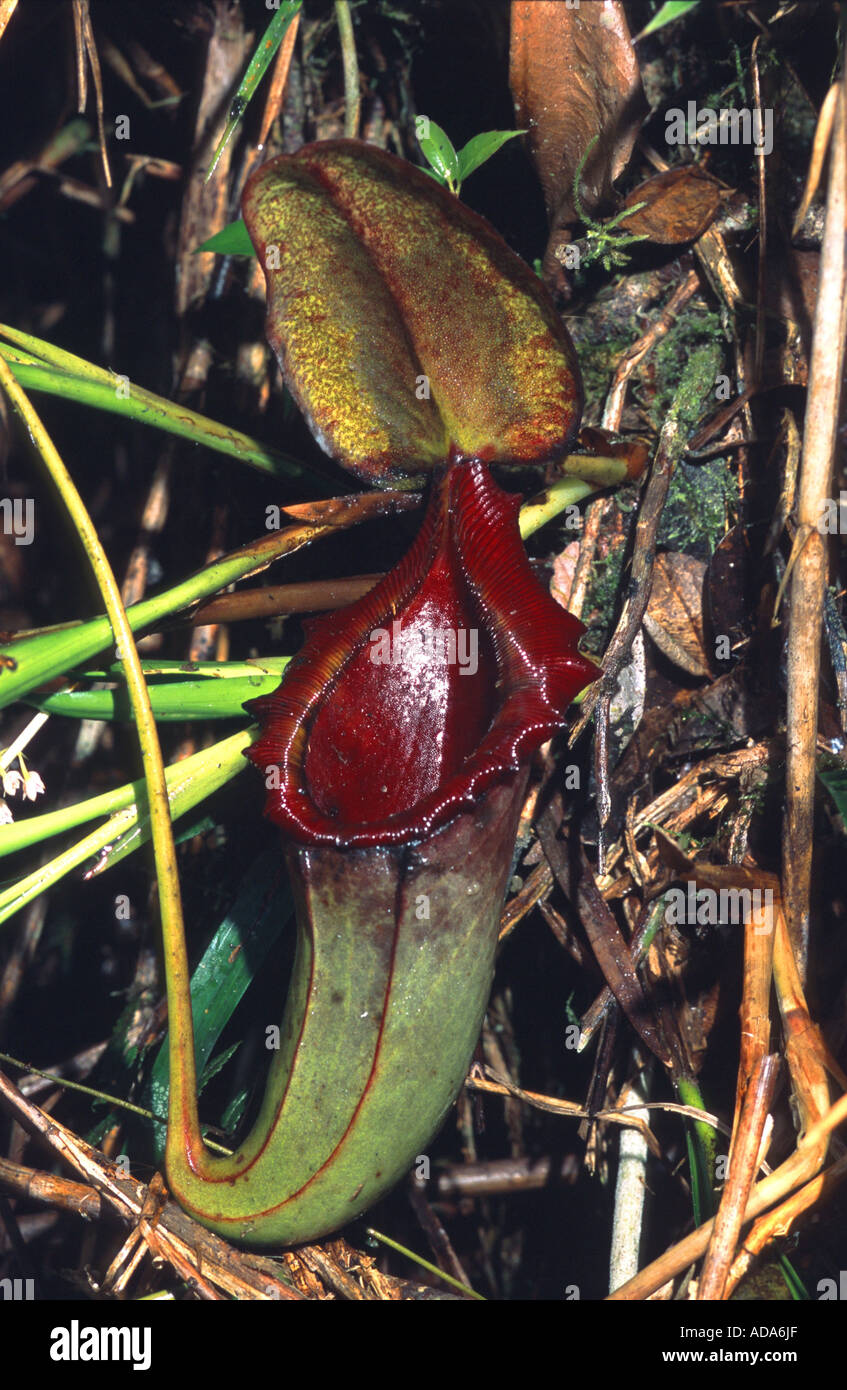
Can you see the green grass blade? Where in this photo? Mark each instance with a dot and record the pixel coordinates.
(223, 670)
(206, 698)
(31, 661)
(232, 960)
(256, 69)
(796, 1287)
(668, 13)
(701, 1142)
(117, 395)
(41, 351)
(189, 782)
(425, 1264)
(160, 827)
(22, 834)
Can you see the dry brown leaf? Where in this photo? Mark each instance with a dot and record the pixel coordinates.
(674, 617)
(680, 204)
(574, 76)
(564, 570)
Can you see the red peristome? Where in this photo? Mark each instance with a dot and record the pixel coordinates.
(481, 667)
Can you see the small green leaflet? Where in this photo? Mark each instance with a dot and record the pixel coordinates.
(448, 166)
(236, 954)
(481, 148)
(452, 167)
(232, 240)
(666, 14)
(438, 151)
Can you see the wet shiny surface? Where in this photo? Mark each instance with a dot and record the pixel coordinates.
(369, 751)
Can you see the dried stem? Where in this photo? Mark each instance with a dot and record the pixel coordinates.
(809, 576)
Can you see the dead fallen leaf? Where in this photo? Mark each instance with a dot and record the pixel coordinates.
(680, 204)
(564, 569)
(674, 617)
(574, 76)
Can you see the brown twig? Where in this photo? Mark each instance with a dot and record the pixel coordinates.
(7, 9)
(761, 188)
(755, 1014)
(498, 1086)
(634, 355)
(582, 574)
(820, 145)
(792, 1173)
(612, 416)
(536, 887)
(778, 1222)
(178, 1240)
(439, 1241)
(60, 1193)
(278, 600)
(809, 578)
(86, 47)
(671, 447)
(742, 1170)
(506, 1175)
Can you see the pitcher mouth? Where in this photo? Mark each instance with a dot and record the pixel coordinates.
(402, 709)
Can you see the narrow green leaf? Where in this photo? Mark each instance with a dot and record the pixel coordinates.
(216, 1064)
(234, 957)
(40, 366)
(23, 834)
(189, 784)
(481, 148)
(207, 698)
(222, 669)
(203, 826)
(700, 1141)
(256, 69)
(667, 14)
(39, 350)
(437, 149)
(234, 1112)
(796, 1287)
(425, 1264)
(232, 240)
(32, 661)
